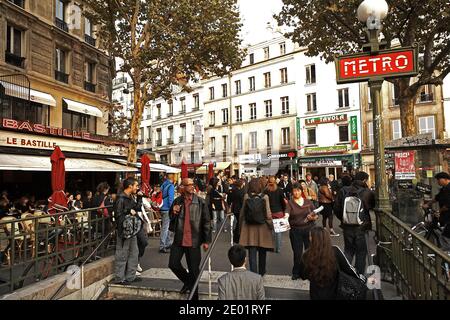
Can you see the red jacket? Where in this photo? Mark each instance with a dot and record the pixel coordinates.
(157, 200)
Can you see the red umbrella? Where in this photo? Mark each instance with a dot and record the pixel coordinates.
(184, 169)
(210, 171)
(145, 174)
(58, 199)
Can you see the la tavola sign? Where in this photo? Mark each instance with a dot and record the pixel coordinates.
(326, 119)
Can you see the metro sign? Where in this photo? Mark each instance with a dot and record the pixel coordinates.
(392, 63)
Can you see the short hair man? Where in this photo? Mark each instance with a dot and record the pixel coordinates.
(443, 199)
(240, 284)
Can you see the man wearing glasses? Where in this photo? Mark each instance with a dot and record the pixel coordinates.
(190, 222)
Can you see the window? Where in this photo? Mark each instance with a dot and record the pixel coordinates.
(251, 81)
(13, 54)
(310, 74)
(212, 118)
(224, 90)
(20, 3)
(284, 105)
(78, 121)
(21, 110)
(60, 66)
(237, 84)
(89, 69)
(268, 104)
(369, 99)
(225, 143)
(183, 105)
(170, 108)
(60, 10)
(283, 75)
(343, 98)
(396, 95)
(170, 135)
(396, 129)
(253, 140)
(224, 116)
(164, 158)
(370, 134)
(196, 101)
(311, 136)
(142, 134)
(267, 81)
(87, 27)
(311, 104)
(343, 133)
(426, 125)
(158, 136)
(158, 111)
(425, 94)
(238, 113)
(212, 145)
(282, 48)
(269, 138)
(183, 132)
(239, 141)
(266, 53)
(252, 58)
(285, 136)
(211, 93)
(252, 111)
(149, 134)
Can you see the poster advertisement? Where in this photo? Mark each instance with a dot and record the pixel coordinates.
(404, 165)
(281, 225)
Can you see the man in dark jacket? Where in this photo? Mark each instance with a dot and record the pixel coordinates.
(286, 186)
(126, 259)
(355, 244)
(190, 222)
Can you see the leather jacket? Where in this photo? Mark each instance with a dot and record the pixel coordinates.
(199, 218)
(122, 207)
(325, 195)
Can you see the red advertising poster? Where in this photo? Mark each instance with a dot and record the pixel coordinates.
(404, 165)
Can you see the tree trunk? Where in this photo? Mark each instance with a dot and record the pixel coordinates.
(407, 101)
(136, 119)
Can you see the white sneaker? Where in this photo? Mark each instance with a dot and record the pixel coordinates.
(139, 269)
(138, 273)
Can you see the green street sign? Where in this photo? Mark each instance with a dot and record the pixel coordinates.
(354, 132)
(298, 133)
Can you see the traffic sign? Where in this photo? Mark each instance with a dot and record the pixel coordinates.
(291, 154)
(391, 63)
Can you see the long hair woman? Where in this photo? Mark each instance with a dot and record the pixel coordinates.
(257, 238)
(320, 264)
(326, 201)
(277, 203)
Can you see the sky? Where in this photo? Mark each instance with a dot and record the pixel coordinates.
(255, 14)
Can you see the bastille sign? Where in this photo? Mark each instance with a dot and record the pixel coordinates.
(391, 63)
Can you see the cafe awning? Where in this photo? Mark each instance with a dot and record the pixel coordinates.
(17, 91)
(39, 163)
(219, 166)
(83, 108)
(154, 167)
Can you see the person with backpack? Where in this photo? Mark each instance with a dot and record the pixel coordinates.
(236, 202)
(168, 195)
(352, 207)
(128, 226)
(256, 226)
(301, 219)
(277, 207)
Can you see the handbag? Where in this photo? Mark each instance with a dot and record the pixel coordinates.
(350, 287)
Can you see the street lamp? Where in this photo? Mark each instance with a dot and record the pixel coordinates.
(372, 12)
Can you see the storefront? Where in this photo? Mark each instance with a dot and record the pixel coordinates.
(284, 162)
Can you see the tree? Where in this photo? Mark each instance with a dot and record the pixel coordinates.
(327, 28)
(165, 43)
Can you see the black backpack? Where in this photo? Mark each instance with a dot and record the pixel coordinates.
(255, 210)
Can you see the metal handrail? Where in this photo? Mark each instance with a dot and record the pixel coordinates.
(207, 257)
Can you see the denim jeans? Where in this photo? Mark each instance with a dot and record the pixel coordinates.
(355, 246)
(218, 216)
(299, 239)
(164, 240)
(278, 237)
(257, 265)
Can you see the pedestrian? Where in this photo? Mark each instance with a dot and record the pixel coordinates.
(256, 237)
(125, 211)
(326, 201)
(168, 194)
(277, 203)
(355, 243)
(321, 263)
(88, 200)
(156, 201)
(286, 186)
(142, 235)
(190, 222)
(101, 215)
(310, 183)
(78, 204)
(301, 219)
(334, 185)
(236, 202)
(240, 284)
(308, 193)
(217, 205)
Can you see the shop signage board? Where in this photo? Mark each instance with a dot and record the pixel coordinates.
(250, 158)
(390, 63)
(354, 132)
(326, 150)
(404, 165)
(299, 145)
(326, 119)
(282, 155)
(322, 163)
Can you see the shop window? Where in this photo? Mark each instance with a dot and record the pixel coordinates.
(311, 136)
(22, 110)
(343, 133)
(78, 121)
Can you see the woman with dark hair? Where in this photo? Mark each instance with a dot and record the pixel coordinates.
(277, 207)
(301, 219)
(320, 264)
(326, 201)
(217, 204)
(236, 201)
(257, 238)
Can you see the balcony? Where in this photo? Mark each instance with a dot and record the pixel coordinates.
(61, 24)
(61, 76)
(426, 97)
(158, 143)
(195, 109)
(169, 114)
(158, 117)
(182, 111)
(88, 86)
(213, 154)
(149, 117)
(89, 40)
(182, 139)
(212, 124)
(170, 141)
(14, 60)
(20, 3)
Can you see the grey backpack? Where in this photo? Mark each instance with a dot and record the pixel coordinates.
(131, 226)
(353, 210)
